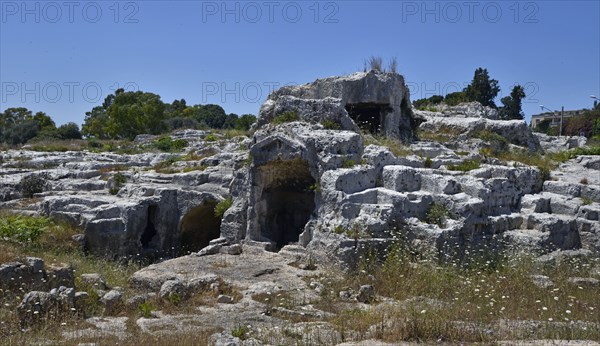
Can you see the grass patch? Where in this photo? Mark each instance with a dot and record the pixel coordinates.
(432, 298)
(443, 134)
(167, 144)
(437, 214)
(286, 117)
(165, 167)
(222, 207)
(22, 229)
(465, 166)
(331, 125)
(119, 180)
(348, 163)
(396, 147)
(586, 200)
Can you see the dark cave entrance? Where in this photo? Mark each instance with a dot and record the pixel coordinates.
(149, 236)
(287, 201)
(198, 228)
(368, 116)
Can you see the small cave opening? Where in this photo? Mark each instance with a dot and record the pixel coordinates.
(198, 227)
(287, 201)
(149, 236)
(368, 116)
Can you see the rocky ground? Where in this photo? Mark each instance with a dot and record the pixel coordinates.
(279, 237)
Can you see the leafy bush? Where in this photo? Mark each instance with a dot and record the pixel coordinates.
(239, 332)
(164, 166)
(22, 229)
(331, 125)
(286, 117)
(166, 144)
(586, 200)
(146, 309)
(32, 184)
(437, 214)
(119, 180)
(222, 207)
(465, 166)
(427, 163)
(396, 147)
(210, 137)
(348, 163)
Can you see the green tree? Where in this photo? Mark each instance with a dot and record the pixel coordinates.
(424, 103)
(245, 121)
(69, 131)
(96, 123)
(210, 115)
(134, 113)
(19, 125)
(511, 108)
(455, 98)
(44, 121)
(482, 89)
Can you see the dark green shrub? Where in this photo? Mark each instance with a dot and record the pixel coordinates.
(437, 214)
(119, 180)
(210, 137)
(331, 125)
(286, 117)
(32, 184)
(166, 144)
(465, 166)
(222, 207)
(22, 229)
(348, 163)
(427, 163)
(240, 332)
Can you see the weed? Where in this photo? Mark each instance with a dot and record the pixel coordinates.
(119, 180)
(442, 134)
(211, 137)
(348, 163)
(23, 229)
(167, 144)
(396, 147)
(240, 332)
(165, 166)
(222, 207)
(286, 117)
(583, 181)
(33, 184)
(331, 125)
(465, 166)
(427, 163)
(586, 200)
(437, 214)
(146, 309)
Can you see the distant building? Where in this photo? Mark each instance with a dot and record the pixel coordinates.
(554, 117)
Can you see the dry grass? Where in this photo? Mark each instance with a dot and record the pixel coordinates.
(482, 294)
(396, 147)
(443, 134)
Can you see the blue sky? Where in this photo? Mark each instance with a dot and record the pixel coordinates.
(64, 57)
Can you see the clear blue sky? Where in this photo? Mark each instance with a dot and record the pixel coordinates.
(64, 57)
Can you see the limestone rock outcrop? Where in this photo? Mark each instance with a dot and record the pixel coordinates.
(374, 101)
(332, 189)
